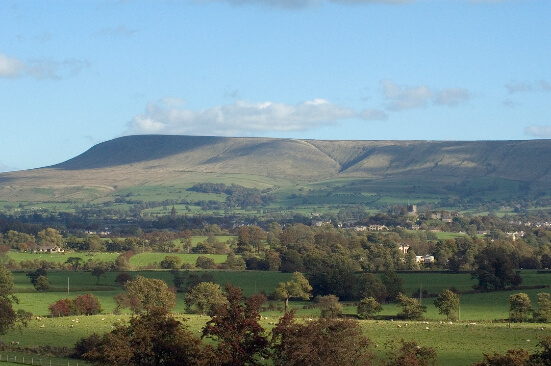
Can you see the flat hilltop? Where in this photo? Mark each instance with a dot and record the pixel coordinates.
(175, 160)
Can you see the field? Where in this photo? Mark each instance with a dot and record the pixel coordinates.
(139, 260)
(454, 343)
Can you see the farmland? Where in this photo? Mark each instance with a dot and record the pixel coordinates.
(452, 341)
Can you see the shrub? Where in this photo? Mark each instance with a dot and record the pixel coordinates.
(330, 306)
(411, 308)
(42, 283)
(63, 307)
(205, 263)
(171, 262)
(123, 278)
(368, 307)
(87, 304)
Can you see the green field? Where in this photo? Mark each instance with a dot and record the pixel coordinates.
(459, 343)
(139, 260)
(456, 344)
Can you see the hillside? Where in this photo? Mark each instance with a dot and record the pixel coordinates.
(178, 160)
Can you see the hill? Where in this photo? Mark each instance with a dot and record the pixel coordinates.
(154, 160)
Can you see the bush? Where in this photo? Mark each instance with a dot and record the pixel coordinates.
(123, 278)
(42, 283)
(411, 308)
(368, 307)
(205, 263)
(63, 307)
(85, 345)
(87, 304)
(171, 262)
(330, 306)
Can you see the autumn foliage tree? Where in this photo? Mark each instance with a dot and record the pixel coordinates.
(235, 328)
(409, 354)
(87, 304)
(62, 307)
(325, 341)
(154, 338)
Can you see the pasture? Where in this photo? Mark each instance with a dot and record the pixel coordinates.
(458, 343)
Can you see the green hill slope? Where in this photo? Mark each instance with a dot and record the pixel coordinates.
(264, 162)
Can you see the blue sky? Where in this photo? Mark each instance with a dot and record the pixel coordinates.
(76, 73)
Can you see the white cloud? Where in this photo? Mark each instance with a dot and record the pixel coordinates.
(452, 96)
(373, 115)
(399, 98)
(243, 118)
(39, 69)
(528, 86)
(543, 132)
(10, 67)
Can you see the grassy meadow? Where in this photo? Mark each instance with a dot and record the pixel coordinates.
(482, 327)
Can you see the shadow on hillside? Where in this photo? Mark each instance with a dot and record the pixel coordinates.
(135, 149)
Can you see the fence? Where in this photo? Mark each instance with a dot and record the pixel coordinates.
(26, 359)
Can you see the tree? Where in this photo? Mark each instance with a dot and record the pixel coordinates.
(39, 279)
(234, 327)
(520, 357)
(205, 263)
(330, 306)
(94, 243)
(98, 272)
(204, 297)
(371, 286)
(411, 308)
(325, 341)
(87, 304)
(33, 276)
(519, 307)
(9, 318)
(513, 357)
(368, 307)
(122, 263)
(496, 270)
(327, 274)
(543, 313)
(543, 357)
(297, 286)
(146, 294)
(410, 354)
(171, 262)
(155, 338)
(235, 262)
(393, 283)
(41, 283)
(447, 303)
(62, 307)
(51, 237)
(74, 262)
(123, 278)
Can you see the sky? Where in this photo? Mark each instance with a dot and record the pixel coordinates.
(77, 73)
